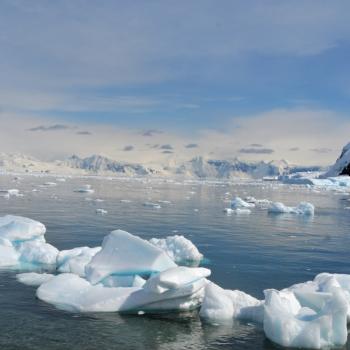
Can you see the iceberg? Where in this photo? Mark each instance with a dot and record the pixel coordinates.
(73, 293)
(22, 242)
(33, 279)
(289, 324)
(101, 211)
(152, 205)
(125, 254)
(178, 248)
(85, 189)
(240, 203)
(303, 208)
(220, 305)
(17, 228)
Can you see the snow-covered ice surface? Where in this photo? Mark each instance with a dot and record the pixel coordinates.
(246, 254)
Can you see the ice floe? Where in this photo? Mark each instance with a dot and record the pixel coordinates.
(85, 189)
(178, 248)
(101, 211)
(303, 208)
(152, 205)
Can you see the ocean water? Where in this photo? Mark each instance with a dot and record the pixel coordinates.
(247, 252)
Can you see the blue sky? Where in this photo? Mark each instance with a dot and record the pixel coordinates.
(180, 67)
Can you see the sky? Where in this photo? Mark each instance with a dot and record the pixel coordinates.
(149, 81)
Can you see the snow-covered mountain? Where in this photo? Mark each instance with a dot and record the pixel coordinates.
(196, 168)
(99, 164)
(342, 165)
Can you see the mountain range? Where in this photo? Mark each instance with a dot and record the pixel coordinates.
(198, 167)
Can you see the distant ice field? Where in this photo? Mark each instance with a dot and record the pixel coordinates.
(247, 252)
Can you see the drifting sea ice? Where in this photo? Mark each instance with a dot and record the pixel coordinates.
(178, 248)
(85, 189)
(303, 208)
(101, 211)
(152, 205)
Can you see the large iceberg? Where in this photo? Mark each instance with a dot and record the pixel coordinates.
(178, 248)
(125, 254)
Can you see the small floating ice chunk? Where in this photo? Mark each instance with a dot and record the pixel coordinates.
(101, 211)
(33, 278)
(220, 305)
(303, 208)
(75, 260)
(178, 248)
(50, 184)
(124, 254)
(152, 205)
(230, 211)
(85, 189)
(240, 203)
(18, 228)
(13, 192)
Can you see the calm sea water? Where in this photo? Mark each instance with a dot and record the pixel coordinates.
(246, 252)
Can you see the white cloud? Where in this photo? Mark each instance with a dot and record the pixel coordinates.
(292, 134)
